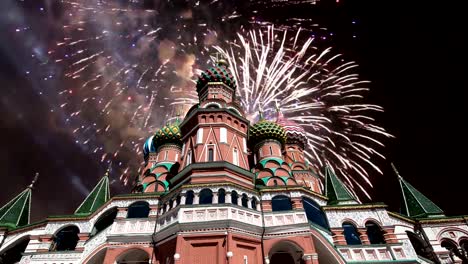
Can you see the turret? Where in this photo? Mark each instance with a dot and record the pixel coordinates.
(16, 212)
(267, 139)
(414, 203)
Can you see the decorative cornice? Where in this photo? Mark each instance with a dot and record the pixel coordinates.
(28, 227)
(211, 165)
(212, 110)
(401, 217)
(354, 206)
(294, 188)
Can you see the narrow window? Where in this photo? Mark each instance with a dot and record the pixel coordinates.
(200, 136)
(211, 154)
(165, 155)
(189, 157)
(235, 157)
(271, 151)
(223, 135)
(244, 144)
(294, 157)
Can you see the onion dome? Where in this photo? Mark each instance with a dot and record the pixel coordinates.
(168, 134)
(218, 73)
(294, 132)
(265, 129)
(148, 147)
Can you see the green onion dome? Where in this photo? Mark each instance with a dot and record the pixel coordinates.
(168, 134)
(265, 129)
(218, 73)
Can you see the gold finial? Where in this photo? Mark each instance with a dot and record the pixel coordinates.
(221, 61)
(36, 176)
(108, 170)
(395, 170)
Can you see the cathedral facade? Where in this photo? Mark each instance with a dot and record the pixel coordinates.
(217, 189)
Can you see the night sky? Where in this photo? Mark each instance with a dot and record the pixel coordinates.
(414, 55)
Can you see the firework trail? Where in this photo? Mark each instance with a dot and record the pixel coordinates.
(130, 66)
(315, 89)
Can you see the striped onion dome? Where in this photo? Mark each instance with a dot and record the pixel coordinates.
(294, 132)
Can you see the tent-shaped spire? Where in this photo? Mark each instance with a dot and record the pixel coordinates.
(335, 189)
(97, 197)
(16, 212)
(414, 203)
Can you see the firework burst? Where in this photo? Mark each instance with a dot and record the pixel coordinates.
(129, 66)
(316, 89)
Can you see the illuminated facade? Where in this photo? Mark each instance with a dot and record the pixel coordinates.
(216, 189)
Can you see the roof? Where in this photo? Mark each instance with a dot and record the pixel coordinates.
(414, 203)
(97, 197)
(335, 189)
(16, 212)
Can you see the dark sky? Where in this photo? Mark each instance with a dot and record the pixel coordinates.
(414, 55)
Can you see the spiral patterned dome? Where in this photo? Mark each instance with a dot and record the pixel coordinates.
(294, 132)
(218, 73)
(169, 133)
(265, 129)
(148, 147)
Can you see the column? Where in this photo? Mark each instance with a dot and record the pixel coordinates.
(196, 198)
(249, 203)
(266, 206)
(389, 235)
(363, 236)
(182, 198)
(227, 199)
(258, 205)
(47, 242)
(121, 213)
(83, 237)
(153, 211)
(310, 258)
(215, 197)
(338, 236)
(296, 203)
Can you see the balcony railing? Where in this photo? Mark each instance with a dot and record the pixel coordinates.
(373, 252)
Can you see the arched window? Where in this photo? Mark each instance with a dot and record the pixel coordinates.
(221, 196)
(451, 246)
(253, 203)
(133, 256)
(420, 246)
(281, 203)
(234, 197)
(211, 154)
(206, 196)
(464, 245)
(104, 221)
(178, 200)
(66, 239)
(275, 183)
(374, 233)
(14, 251)
(138, 210)
(245, 200)
(314, 213)
(189, 197)
(351, 234)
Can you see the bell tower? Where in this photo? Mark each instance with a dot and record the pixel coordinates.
(215, 132)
